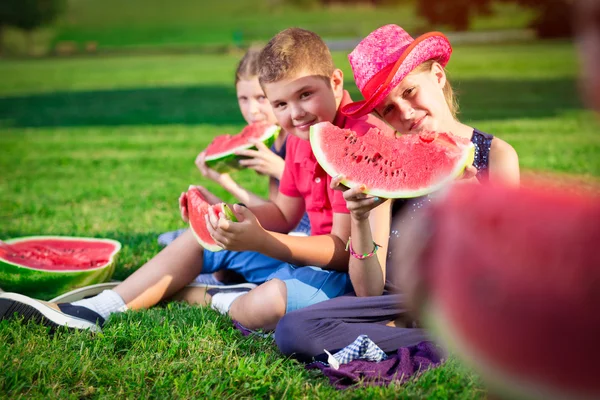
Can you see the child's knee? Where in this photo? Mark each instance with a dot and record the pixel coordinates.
(262, 307)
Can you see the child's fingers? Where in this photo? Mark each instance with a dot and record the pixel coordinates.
(364, 204)
(356, 193)
(248, 153)
(212, 218)
(260, 145)
(251, 162)
(336, 183)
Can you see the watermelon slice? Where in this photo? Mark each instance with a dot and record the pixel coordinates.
(513, 277)
(391, 167)
(197, 209)
(46, 266)
(220, 153)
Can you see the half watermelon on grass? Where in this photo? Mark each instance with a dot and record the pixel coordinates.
(220, 153)
(391, 167)
(46, 266)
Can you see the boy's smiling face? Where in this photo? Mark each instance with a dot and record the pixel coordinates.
(303, 100)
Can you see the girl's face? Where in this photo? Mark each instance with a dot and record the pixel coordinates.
(418, 103)
(253, 103)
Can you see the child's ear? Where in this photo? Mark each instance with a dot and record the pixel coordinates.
(337, 84)
(439, 74)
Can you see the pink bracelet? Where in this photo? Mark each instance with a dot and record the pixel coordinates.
(361, 256)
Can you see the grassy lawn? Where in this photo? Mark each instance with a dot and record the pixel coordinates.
(192, 23)
(103, 147)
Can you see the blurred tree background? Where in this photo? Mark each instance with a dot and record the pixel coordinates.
(551, 15)
(37, 27)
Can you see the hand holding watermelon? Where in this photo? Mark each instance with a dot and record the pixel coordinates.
(358, 202)
(246, 234)
(206, 171)
(262, 160)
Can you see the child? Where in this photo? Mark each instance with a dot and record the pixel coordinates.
(304, 88)
(254, 107)
(404, 81)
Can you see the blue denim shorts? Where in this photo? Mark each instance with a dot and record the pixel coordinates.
(305, 285)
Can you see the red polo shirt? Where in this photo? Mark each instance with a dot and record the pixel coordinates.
(304, 177)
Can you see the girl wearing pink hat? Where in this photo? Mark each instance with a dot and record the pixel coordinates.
(403, 80)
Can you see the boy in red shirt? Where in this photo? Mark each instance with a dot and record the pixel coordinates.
(304, 88)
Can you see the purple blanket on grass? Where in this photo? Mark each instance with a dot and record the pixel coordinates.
(406, 363)
(398, 368)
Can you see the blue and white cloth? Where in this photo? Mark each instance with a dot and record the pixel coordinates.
(362, 348)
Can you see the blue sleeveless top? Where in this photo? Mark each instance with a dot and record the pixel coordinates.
(304, 224)
(483, 143)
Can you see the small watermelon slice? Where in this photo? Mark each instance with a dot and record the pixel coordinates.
(220, 153)
(197, 209)
(391, 167)
(46, 266)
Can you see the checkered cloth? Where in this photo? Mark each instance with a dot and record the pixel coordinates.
(362, 348)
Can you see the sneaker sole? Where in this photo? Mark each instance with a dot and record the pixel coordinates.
(33, 310)
(93, 290)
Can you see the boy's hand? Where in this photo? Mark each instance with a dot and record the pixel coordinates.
(357, 201)
(206, 171)
(245, 235)
(263, 160)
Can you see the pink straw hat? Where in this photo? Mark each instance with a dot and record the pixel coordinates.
(383, 59)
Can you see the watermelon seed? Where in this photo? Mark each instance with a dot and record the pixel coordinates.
(359, 159)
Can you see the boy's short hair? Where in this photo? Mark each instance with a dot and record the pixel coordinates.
(293, 50)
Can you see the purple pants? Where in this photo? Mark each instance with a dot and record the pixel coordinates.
(335, 323)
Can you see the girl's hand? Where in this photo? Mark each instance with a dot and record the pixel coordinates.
(469, 175)
(245, 235)
(206, 171)
(263, 160)
(183, 201)
(358, 203)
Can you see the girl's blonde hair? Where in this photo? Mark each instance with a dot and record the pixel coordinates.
(247, 68)
(448, 91)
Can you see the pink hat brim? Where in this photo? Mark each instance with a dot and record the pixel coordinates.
(432, 45)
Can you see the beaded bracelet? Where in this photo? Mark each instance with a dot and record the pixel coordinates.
(361, 256)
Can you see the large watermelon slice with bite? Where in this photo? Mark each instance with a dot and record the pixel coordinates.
(220, 153)
(197, 209)
(391, 167)
(46, 266)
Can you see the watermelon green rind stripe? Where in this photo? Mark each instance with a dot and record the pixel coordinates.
(45, 285)
(228, 161)
(509, 386)
(466, 159)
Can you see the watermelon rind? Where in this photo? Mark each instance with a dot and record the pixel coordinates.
(229, 214)
(228, 161)
(467, 159)
(498, 379)
(45, 285)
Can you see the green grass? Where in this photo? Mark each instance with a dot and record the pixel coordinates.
(192, 24)
(103, 147)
